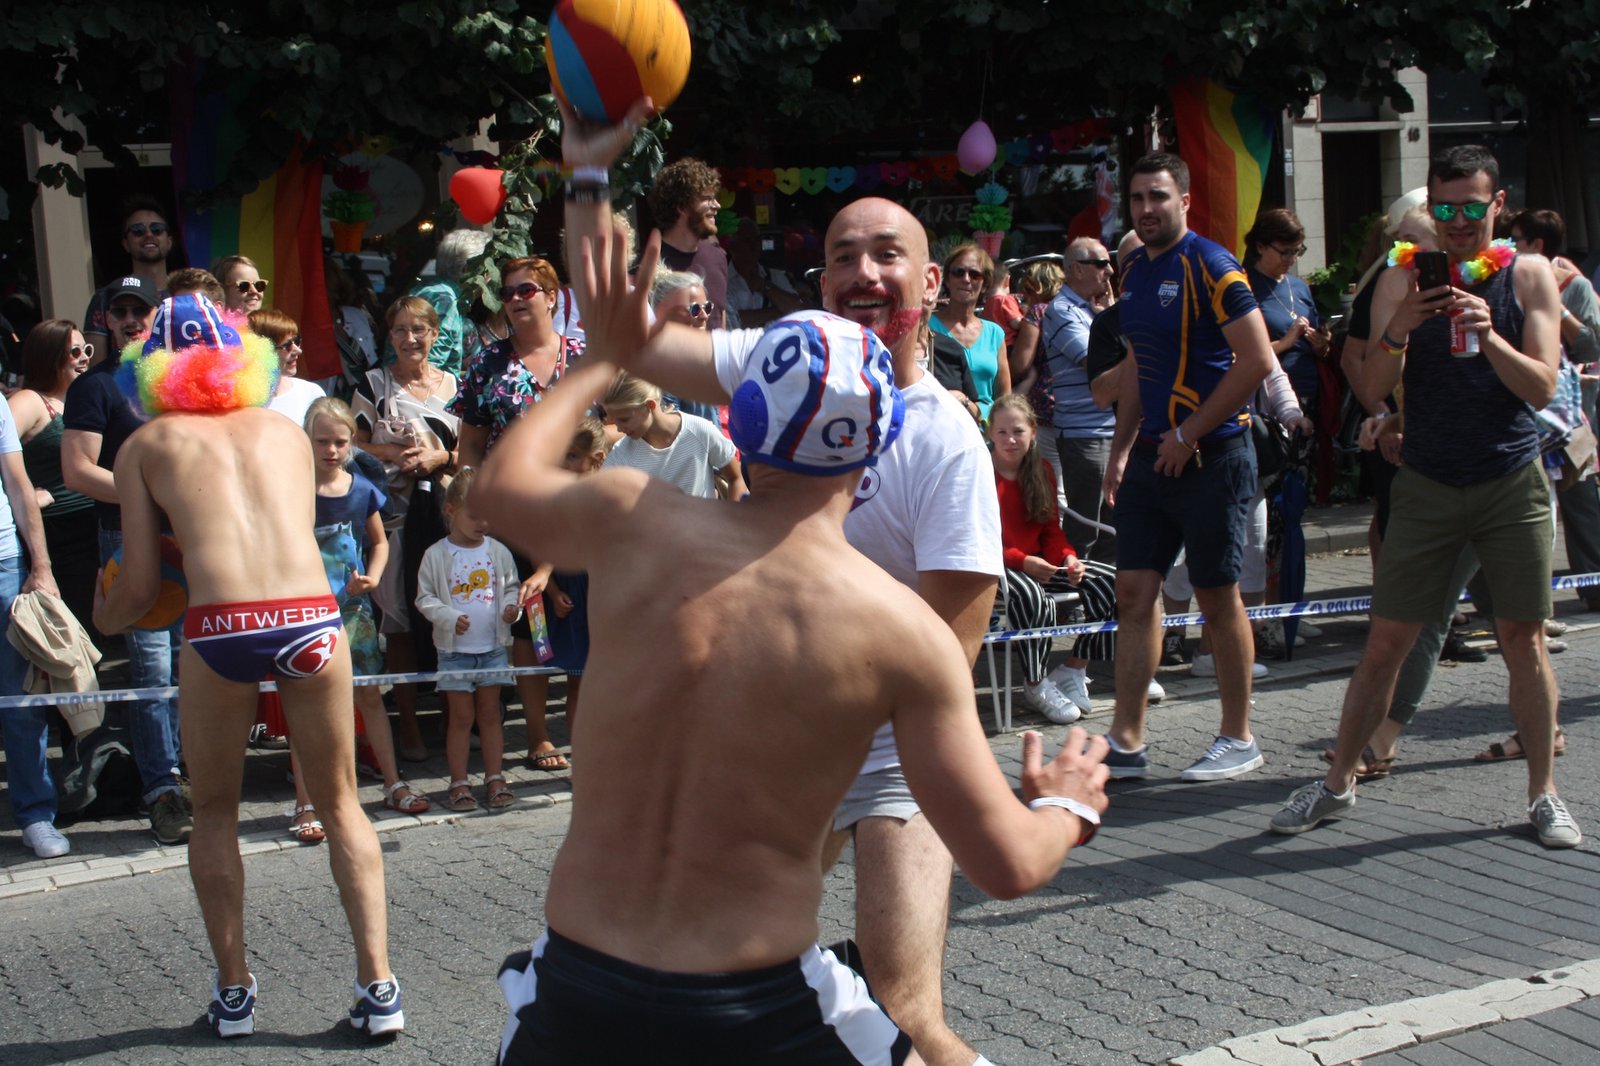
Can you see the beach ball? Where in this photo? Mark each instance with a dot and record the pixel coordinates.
(605, 54)
(173, 598)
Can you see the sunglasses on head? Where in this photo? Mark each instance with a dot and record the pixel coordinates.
(124, 311)
(1476, 210)
(965, 273)
(524, 291)
(1098, 264)
(139, 229)
(85, 350)
(698, 310)
(259, 285)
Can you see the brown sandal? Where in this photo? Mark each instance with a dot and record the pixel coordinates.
(1502, 752)
(1370, 768)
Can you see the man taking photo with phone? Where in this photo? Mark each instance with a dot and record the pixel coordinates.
(1476, 354)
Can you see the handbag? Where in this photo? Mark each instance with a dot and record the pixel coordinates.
(391, 427)
(1271, 442)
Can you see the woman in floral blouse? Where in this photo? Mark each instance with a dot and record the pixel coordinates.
(500, 382)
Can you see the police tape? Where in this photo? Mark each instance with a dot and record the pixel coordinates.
(167, 692)
(1302, 608)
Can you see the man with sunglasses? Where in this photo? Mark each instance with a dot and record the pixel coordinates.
(98, 418)
(684, 203)
(1476, 358)
(147, 238)
(1082, 428)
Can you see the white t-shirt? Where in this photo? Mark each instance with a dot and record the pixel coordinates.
(296, 400)
(690, 462)
(472, 590)
(928, 503)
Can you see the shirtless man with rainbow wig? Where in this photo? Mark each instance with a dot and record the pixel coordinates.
(236, 483)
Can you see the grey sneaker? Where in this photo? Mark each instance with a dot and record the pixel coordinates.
(1555, 824)
(170, 820)
(1225, 758)
(1308, 805)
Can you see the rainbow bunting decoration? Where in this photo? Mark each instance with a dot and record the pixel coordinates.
(278, 224)
(1226, 138)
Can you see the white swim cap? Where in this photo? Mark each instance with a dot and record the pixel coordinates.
(818, 396)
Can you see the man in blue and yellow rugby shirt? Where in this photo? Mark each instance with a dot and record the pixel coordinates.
(1182, 471)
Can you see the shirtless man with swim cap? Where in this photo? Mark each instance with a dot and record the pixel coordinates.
(236, 482)
(743, 656)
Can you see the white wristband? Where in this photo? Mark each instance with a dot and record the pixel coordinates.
(1090, 816)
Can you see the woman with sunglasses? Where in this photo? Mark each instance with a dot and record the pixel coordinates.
(680, 296)
(53, 356)
(501, 382)
(243, 287)
(968, 270)
(295, 394)
(1273, 247)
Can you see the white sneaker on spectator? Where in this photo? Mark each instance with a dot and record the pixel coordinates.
(1206, 666)
(1074, 685)
(1048, 701)
(1308, 629)
(46, 840)
(1155, 693)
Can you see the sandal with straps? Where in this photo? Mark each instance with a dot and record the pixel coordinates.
(410, 802)
(460, 799)
(306, 832)
(496, 795)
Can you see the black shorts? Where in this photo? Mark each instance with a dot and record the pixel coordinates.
(572, 1004)
(1204, 511)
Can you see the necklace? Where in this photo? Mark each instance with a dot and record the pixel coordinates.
(1277, 298)
(1468, 273)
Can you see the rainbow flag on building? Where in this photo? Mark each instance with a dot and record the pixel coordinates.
(278, 224)
(1226, 138)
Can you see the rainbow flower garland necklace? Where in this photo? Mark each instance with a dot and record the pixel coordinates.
(1475, 271)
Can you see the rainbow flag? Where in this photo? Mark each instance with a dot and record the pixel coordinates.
(1226, 138)
(278, 224)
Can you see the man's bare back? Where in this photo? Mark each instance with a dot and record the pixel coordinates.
(238, 490)
(740, 663)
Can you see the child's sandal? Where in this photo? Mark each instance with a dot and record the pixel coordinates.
(402, 797)
(461, 799)
(496, 796)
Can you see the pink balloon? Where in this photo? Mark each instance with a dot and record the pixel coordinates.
(479, 193)
(976, 149)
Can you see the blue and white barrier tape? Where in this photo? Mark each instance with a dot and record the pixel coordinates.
(1346, 605)
(65, 699)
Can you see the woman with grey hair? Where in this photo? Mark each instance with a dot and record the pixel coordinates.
(680, 295)
(456, 249)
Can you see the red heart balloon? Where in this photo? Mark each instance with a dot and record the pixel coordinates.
(479, 192)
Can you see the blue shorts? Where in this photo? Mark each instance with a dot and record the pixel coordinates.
(248, 641)
(484, 660)
(1204, 511)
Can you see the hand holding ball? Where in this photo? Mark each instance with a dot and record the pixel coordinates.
(605, 54)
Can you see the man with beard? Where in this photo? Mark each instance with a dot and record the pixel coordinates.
(684, 202)
(1476, 359)
(927, 513)
(98, 419)
(1182, 472)
(147, 239)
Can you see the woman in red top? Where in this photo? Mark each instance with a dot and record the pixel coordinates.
(1038, 560)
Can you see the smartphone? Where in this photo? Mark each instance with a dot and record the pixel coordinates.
(1433, 270)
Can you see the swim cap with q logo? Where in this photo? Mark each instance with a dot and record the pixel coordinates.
(818, 396)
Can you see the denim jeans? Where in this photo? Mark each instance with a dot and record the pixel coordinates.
(152, 724)
(32, 791)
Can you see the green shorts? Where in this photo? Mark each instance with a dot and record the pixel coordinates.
(1506, 520)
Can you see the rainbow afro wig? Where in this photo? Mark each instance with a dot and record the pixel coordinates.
(195, 362)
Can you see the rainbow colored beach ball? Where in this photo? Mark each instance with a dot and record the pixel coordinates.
(605, 54)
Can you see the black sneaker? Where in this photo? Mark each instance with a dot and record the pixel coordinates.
(170, 819)
(1173, 652)
(1456, 650)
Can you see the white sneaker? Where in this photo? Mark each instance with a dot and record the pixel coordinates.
(1307, 629)
(1074, 685)
(46, 840)
(1048, 701)
(1206, 666)
(1155, 693)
